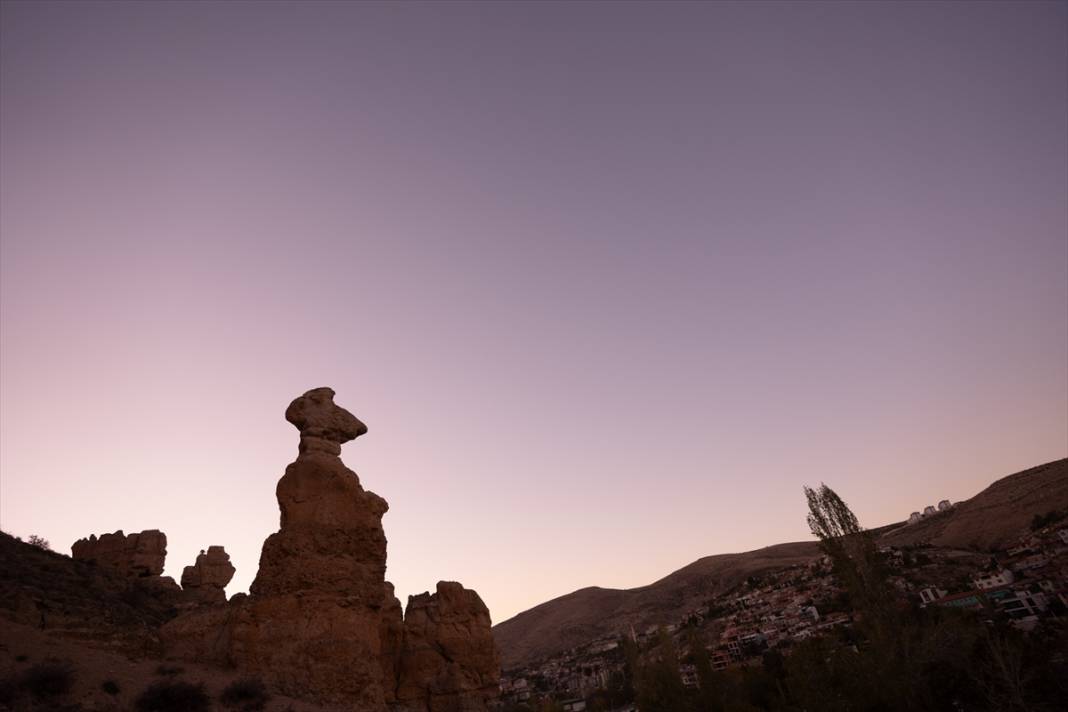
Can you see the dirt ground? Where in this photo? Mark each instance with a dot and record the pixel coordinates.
(22, 646)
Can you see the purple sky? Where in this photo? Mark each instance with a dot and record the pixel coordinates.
(607, 282)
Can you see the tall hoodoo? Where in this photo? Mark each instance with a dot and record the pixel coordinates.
(321, 622)
(312, 622)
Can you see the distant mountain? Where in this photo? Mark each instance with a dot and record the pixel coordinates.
(991, 519)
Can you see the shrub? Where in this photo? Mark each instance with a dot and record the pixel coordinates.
(39, 541)
(111, 687)
(169, 670)
(168, 696)
(248, 693)
(48, 679)
(1044, 520)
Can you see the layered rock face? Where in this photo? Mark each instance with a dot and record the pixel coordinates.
(206, 580)
(134, 555)
(321, 622)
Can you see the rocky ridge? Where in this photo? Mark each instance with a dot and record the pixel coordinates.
(141, 554)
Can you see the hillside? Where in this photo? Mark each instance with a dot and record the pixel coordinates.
(73, 599)
(992, 518)
(995, 516)
(590, 613)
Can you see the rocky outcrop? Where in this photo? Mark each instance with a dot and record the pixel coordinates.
(448, 661)
(205, 581)
(135, 555)
(320, 621)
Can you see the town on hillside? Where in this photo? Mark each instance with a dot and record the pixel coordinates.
(1022, 587)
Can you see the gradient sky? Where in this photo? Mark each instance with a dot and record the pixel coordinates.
(608, 282)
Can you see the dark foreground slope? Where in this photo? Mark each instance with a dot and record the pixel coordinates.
(991, 519)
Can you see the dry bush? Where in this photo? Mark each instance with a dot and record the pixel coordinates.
(247, 694)
(176, 696)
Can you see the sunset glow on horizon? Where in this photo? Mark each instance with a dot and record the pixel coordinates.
(607, 283)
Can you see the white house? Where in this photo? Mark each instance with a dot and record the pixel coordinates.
(928, 510)
(944, 505)
(915, 517)
(994, 580)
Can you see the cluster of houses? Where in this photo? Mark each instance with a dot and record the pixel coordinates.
(929, 511)
(1023, 584)
(777, 609)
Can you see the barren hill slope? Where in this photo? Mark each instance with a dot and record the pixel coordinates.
(75, 599)
(992, 518)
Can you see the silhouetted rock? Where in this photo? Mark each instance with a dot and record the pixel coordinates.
(134, 555)
(206, 580)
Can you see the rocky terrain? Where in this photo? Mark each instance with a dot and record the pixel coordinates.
(992, 518)
(320, 624)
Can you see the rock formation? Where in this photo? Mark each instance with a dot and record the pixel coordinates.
(205, 581)
(448, 661)
(320, 621)
(136, 555)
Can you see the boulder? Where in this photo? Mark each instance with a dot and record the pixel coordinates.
(322, 424)
(205, 581)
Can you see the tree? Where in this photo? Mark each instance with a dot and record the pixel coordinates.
(660, 687)
(851, 549)
(39, 541)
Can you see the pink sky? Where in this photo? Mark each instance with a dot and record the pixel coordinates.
(608, 283)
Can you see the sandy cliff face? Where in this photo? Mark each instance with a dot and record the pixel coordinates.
(321, 622)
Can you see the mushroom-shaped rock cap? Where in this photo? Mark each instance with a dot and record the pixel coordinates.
(323, 425)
